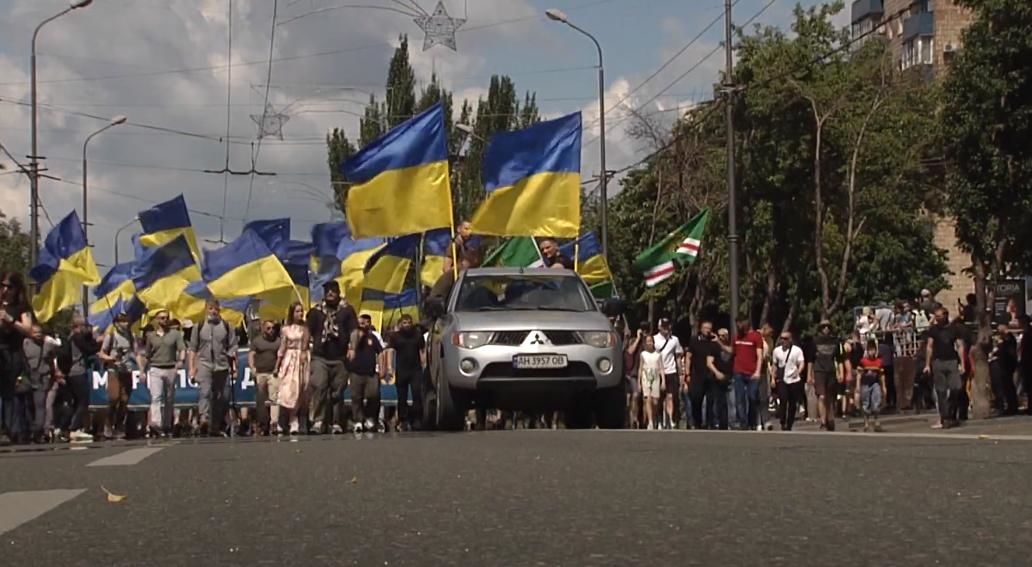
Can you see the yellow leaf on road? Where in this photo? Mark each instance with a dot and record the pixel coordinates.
(112, 497)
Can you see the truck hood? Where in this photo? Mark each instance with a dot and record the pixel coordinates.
(529, 320)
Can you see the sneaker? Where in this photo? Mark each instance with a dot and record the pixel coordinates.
(337, 429)
(154, 432)
(357, 428)
(368, 425)
(108, 434)
(316, 428)
(4, 440)
(877, 427)
(80, 437)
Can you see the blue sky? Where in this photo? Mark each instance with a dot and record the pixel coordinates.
(163, 64)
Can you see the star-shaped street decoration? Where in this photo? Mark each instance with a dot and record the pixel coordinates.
(439, 27)
(270, 122)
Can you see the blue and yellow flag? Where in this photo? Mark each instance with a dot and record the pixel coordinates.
(387, 270)
(162, 274)
(436, 249)
(275, 233)
(103, 317)
(193, 305)
(342, 258)
(65, 265)
(401, 183)
(116, 284)
(591, 264)
(245, 267)
(386, 309)
(532, 178)
(163, 222)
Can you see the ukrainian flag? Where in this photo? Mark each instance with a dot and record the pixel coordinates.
(65, 265)
(386, 309)
(245, 267)
(342, 258)
(275, 233)
(436, 248)
(162, 274)
(193, 305)
(401, 183)
(163, 222)
(532, 178)
(591, 264)
(387, 270)
(117, 284)
(103, 317)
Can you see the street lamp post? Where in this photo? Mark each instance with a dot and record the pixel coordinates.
(560, 16)
(85, 201)
(34, 164)
(118, 232)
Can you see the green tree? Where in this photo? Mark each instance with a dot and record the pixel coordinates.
(14, 245)
(401, 86)
(372, 125)
(432, 94)
(338, 149)
(987, 123)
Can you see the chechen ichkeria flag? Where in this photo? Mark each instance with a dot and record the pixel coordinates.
(65, 265)
(532, 179)
(679, 247)
(400, 180)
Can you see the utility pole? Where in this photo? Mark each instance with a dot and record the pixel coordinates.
(732, 213)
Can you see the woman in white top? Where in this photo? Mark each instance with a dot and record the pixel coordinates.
(650, 376)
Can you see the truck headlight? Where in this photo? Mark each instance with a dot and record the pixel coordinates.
(598, 339)
(472, 339)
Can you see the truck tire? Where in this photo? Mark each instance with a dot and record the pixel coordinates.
(610, 408)
(451, 409)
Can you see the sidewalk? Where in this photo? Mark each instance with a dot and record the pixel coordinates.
(922, 423)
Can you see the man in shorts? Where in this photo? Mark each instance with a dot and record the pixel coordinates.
(827, 372)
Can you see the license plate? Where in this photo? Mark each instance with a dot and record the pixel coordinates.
(531, 361)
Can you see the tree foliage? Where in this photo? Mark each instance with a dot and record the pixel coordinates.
(832, 183)
(987, 122)
(14, 245)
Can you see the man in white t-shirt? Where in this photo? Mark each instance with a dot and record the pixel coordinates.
(789, 364)
(672, 357)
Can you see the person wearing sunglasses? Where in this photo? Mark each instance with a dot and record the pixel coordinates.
(163, 353)
(789, 364)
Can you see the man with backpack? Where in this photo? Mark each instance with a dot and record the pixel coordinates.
(212, 360)
(118, 353)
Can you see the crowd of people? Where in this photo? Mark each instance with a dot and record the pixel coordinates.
(300, 366)
(757, 379)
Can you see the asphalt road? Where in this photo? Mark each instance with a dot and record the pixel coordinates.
(525, 498)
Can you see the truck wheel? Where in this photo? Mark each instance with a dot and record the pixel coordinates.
(610, 408)
(429, 417)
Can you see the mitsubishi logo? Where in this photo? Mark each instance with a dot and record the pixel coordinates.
(537, 340)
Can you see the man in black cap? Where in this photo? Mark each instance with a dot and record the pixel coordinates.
(330, 325)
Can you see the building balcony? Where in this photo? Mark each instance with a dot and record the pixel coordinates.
(922, 25)
(863, 9)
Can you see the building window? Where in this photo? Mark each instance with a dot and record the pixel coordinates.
(918, 51)
(862, 28)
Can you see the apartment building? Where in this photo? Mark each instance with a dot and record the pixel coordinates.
(924, 36)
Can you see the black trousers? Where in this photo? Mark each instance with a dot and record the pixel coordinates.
(77, 391)
(890, 387)
(409, 379)
(790, 396)
(716, 404)
(697, 396)
(365, 398)
(1005, 394)
(1026, 380)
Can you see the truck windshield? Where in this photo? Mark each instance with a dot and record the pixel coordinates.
(523, 293)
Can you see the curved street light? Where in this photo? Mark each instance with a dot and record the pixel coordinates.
(561, 17)
(34, 163)
(85, 193)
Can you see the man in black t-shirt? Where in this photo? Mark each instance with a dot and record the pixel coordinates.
(363, 353)
(827, 372)
(409, 361)
(944, 361)
(699, 377)
(329, 324)
(551, 256)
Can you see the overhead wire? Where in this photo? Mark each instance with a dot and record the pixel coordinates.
(265, 111)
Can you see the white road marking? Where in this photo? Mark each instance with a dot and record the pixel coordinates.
(16, 508)
(127, 458)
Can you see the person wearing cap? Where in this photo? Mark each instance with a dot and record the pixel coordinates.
(827, 372)
(118, 352)
(672, 357)
(330, 324)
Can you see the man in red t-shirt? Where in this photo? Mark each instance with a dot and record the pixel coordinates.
(748, 361)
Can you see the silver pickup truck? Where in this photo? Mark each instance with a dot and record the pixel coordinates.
(525, 340)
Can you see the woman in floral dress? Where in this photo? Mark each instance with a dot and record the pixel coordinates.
(292, 365)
